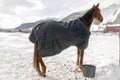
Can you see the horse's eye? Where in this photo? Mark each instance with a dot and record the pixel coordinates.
(98, 11)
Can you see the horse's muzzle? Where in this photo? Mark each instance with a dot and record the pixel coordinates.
(101, 19)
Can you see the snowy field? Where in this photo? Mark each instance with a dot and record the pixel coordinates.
(16, 54)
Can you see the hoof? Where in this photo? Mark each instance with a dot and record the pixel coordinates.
(79, 69)
(42, 75)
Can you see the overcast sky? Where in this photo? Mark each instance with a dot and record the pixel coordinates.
(15, 12)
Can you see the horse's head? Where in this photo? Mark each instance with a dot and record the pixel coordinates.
(90, 15)
(97, 15)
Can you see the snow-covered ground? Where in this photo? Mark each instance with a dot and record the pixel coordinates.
(16, 54)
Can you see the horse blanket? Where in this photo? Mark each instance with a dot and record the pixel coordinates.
(55, 36)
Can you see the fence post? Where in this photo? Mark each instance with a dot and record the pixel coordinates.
(119, 48)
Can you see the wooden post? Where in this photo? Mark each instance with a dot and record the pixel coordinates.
(119, 38)
(119, 48)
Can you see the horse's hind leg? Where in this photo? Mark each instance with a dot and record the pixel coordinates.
(36, 58)
(38, 68)
(43, 66)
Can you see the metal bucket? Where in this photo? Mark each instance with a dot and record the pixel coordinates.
(89, 71)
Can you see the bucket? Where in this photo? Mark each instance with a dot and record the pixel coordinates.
(89, 71)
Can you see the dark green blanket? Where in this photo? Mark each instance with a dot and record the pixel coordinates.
(54, 36)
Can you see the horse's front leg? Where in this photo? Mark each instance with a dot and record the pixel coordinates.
(78, 58)
(81, 58)
(80, 55)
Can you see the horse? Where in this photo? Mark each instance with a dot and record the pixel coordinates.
(39, 41)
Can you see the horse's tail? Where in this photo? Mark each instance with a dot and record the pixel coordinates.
(32, 36)
(35, 56)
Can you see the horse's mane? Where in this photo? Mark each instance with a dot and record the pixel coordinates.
(88, 14)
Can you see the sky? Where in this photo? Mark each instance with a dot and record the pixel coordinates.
(15, 12)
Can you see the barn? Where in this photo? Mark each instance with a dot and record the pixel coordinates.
(112, 28)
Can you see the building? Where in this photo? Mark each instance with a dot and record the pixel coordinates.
(112, 28)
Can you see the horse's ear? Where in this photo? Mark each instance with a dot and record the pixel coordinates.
(97, 5)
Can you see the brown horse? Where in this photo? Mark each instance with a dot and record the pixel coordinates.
(87, 19)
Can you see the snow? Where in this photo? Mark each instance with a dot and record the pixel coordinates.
(16, 54)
